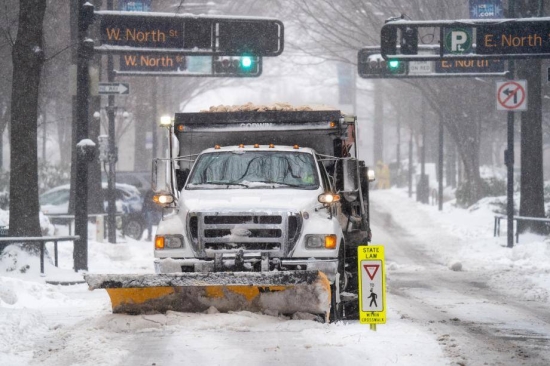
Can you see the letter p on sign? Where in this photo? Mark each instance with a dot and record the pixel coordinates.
(458, 38)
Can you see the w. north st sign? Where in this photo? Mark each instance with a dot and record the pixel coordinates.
(126, 32)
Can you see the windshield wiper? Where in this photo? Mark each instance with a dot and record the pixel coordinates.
(279, 183)
(225, 184)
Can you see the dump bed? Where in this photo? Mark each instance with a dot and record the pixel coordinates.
(315, 129)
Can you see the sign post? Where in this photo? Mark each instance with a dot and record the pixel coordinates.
(114, 88)
(372, 285)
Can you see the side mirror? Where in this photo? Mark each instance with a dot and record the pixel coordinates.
(161, 176)
(350, 179)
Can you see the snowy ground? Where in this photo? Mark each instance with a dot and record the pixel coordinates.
(43, 324)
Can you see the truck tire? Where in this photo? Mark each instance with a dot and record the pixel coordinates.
(337, 306)
(351, 308)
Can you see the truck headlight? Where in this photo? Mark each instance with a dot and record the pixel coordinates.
(168, 242)
(321, 241)
(163, 199)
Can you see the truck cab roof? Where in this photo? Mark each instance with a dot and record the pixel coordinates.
(259, 148)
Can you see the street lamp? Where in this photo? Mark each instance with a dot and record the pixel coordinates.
(166, 121)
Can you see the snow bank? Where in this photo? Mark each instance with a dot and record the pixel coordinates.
(469, 243)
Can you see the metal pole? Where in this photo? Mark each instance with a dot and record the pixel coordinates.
(422, 189)
(111, 178)
(155, 123)
(509, 153)
(440, 167)
(410, 163)
(80, 254)
(398, 152)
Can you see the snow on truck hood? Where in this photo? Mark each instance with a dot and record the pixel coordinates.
(249, 199)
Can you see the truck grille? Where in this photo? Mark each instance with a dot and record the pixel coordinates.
(274, 232)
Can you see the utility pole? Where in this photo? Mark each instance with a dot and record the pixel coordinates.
(423, 188)
(410, 163)
(378, 129)
(398, 152)
(111, 156)
(440, 166)
(509, 153)
(155, 122)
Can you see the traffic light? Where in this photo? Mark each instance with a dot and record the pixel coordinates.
(237, 66)
(394, 65)
(85, 16)
(409, 41)
(371, 65)
(246, 63)
(388, 40)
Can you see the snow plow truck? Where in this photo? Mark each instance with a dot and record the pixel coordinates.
(263, 210)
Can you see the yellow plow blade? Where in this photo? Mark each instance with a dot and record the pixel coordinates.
(284, 292)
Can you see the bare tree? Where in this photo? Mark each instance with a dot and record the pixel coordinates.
(337, 30)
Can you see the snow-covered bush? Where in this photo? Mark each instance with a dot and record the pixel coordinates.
(490, 187)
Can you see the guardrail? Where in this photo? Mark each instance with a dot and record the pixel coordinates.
(516, 218)
(4, 241)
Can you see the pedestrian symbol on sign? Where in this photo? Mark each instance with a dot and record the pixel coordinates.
(373, 297)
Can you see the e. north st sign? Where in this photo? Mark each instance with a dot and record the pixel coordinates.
(519, 39)
(494, 39)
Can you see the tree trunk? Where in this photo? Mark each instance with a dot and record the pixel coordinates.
(532, 181)
(467, 141)
(28, 58)
(378, 128)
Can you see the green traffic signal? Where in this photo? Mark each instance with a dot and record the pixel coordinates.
(246, 62)
(236, 65)
(393, 64)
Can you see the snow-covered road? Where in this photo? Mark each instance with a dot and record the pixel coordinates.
(494, 311)
(474, 323)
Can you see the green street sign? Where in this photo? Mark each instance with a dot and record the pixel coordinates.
(458, 40)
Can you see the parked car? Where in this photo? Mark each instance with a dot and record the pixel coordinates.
(129, 204)
(139, 179)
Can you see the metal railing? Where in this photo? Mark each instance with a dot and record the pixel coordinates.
(496, 230)
(41, 240)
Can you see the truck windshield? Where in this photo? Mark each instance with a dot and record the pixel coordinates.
(254, 169)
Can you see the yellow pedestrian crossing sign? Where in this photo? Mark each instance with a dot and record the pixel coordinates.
(372, 284)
